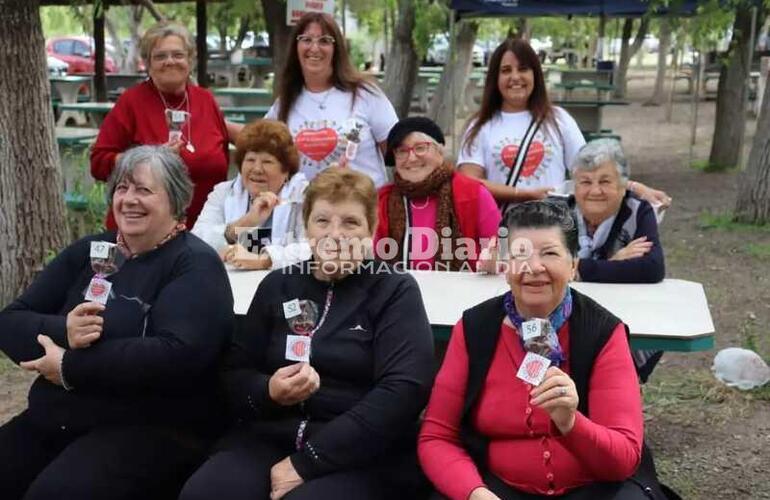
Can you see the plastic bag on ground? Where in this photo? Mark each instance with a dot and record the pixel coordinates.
(740, 368)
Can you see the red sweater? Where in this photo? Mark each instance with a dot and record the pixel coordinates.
(525, 449)
(138, 118)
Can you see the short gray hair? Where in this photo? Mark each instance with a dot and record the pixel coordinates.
(167, 167)
(592, 155)
(161, 30)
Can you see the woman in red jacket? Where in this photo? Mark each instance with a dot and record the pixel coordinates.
(450, 216)
(168, 109)
(540, 397)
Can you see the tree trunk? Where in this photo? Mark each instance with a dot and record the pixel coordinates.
(462, 46)
(402, 65)
(627, 52)
(201, 47)
(663, 49)
(753, 205)
(135, 21)
(730, 121)
(275, 19)
(120, 52)
(100, 81)
(32, 221)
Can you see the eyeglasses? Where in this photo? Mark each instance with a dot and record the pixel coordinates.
(420, 149)
(175, 56)
(322, 41)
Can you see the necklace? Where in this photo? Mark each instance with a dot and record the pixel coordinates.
(427, 200)
(186, 104)
(322, 102)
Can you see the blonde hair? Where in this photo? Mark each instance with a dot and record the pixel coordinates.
(161, 30)
(336, 184)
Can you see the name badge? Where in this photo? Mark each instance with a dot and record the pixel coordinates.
(291, 309)
(533, 368)
(298, 348)
(533, 328)
(178, 116)
(100, 249)
(98, 290)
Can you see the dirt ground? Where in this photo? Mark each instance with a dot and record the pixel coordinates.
(710, 441)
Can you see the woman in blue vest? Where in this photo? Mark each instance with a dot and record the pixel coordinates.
(541, 397)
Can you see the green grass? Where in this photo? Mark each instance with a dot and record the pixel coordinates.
(706, 166)
(759, 250)
(725, 222)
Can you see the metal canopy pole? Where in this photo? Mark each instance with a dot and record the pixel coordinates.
(453, 61)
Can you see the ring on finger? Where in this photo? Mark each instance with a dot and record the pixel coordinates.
(562, 391)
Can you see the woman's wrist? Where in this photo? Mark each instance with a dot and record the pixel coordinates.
(230, 236)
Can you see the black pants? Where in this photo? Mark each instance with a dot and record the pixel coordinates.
(626, 490)
(240, 469)
(117, 462)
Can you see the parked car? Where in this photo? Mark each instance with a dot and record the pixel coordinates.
(78, 53)
(56, 67)
(439, 49)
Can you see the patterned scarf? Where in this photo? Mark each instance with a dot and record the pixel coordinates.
(558, 317)
(439, 184)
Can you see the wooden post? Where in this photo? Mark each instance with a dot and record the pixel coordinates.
(100, 83)
(200, 42)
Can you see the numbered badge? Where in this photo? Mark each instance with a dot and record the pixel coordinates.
(298, 348)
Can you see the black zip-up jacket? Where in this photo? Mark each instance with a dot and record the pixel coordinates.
(373, 353)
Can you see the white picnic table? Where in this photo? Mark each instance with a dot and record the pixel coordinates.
(671, 315)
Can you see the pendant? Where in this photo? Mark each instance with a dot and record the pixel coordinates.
(322, 106)
(190, 147)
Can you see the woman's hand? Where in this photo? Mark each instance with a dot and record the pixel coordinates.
(239, 257)
(557, 395)
(293, 384)
(261, 208)
(482, 493)
(656, 198)
(489, 258)
(84, 325)
(49, 365)
(532, 194)
(283, 479)
(634, 249)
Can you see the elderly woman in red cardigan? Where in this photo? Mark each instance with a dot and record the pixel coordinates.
(451, 216)
(537, 394)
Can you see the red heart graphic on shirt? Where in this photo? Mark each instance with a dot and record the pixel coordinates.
(316, 144)
(533, 368)
(299, 348)
(535, 156)
(98, 289)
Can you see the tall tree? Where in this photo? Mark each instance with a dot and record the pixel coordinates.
(402, 63)
(455, 75)
(32, 219)
(753, 203)
(730, 122)
(627, 52)
(663, 49)
(275, 18)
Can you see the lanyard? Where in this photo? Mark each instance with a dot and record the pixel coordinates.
(327, 306)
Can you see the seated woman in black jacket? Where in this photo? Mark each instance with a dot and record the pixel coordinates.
(127, 357)
(333, 368)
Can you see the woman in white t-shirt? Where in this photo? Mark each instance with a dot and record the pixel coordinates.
(515, 109)
(334, 113)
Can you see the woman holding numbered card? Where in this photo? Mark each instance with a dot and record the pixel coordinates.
(331, 370)
(542, 399)
(336, 115)
(169, 109)
(125, 330)
(518, 143)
